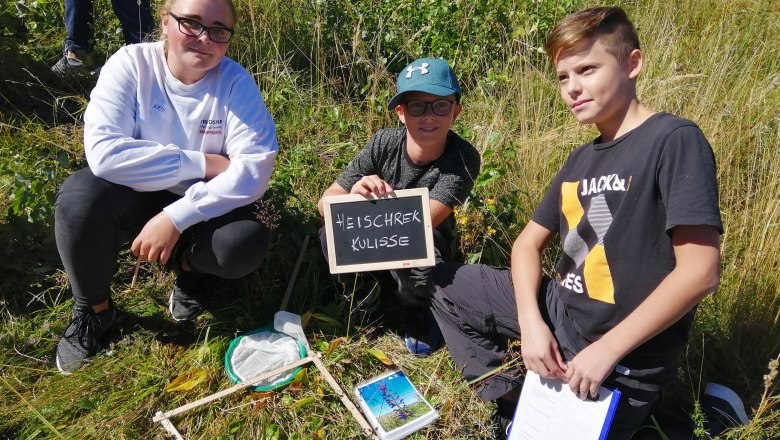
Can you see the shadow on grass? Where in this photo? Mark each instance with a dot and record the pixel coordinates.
(165, 330)
(29, 279)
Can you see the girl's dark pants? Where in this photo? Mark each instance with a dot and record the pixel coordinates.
(95, 219)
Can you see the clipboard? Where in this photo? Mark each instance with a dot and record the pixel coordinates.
(548, 410)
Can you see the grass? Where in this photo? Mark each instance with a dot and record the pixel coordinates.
(711, 61)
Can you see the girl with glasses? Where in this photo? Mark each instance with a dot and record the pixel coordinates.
(179, 145)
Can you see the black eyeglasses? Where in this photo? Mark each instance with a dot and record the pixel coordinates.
(188, 26)
(442, 107)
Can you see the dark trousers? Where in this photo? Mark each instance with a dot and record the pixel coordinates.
(477, 314)
(136, 21)
(95, 219)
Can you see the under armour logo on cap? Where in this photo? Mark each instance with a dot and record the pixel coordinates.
(423, 70)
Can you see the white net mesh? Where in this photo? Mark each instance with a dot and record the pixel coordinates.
(264, 351)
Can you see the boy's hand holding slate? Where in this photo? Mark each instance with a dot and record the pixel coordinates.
(371, 186)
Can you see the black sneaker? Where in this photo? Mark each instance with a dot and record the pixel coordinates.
(78, 63)
(83, 337)
(723, 408)
(188, 292)
(423, 336)
(501, 419)
(414, 285)
(69, 66)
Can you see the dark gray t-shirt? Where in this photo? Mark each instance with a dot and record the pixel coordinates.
(614, 205)
(449, 178)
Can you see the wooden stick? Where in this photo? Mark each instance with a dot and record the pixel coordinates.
(135, 273)
(344, 399)
(297, 266)
(239, 386)
(170, 428)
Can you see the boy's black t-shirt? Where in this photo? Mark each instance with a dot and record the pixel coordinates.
(614, 205)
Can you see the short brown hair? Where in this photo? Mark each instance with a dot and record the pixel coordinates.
(609, 22)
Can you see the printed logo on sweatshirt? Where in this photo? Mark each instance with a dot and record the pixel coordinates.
(161, 110)
(211, 126)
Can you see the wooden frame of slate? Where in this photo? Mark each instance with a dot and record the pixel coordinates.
(390, 232)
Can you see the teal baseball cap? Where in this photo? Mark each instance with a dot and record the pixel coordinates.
(429, 75)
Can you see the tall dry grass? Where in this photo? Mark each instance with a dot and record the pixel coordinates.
(716, 63)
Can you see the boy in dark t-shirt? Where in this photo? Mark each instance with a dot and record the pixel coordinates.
(637, 214)
(424, 153)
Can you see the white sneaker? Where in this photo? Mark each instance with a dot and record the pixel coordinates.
(723, 403)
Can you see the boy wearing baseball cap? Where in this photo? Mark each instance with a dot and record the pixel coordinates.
(424, 153)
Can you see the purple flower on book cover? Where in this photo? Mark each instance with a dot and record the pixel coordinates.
(395, 402)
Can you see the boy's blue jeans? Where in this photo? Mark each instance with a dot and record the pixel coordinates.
(95, 219)
(475, 308)
(134, 16)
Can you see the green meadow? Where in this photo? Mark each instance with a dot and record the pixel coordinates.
(326, 69)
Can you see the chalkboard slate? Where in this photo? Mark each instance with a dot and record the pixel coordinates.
(391, 232)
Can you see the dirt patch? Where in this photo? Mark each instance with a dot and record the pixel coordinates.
(29, 90)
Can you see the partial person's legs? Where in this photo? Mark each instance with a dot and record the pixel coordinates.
(77, 47)
(641, 386)
(78, 24)
(359, 292)
(476, 311)
(637, 400)
(135, 18)
(415, 288)
(230, 246)
(93, 218)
